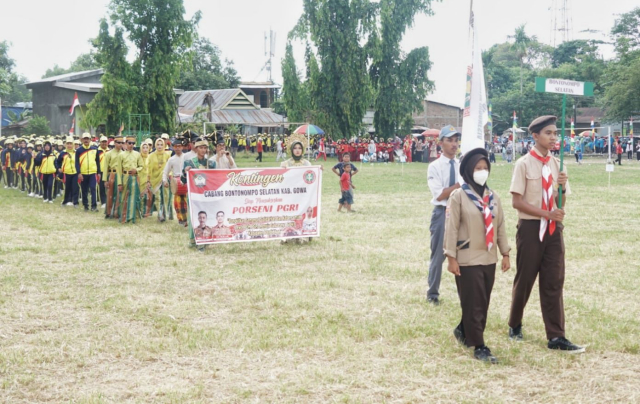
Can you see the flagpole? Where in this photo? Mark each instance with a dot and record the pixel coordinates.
(564, 108)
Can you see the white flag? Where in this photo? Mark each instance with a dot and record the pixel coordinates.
(475, 115)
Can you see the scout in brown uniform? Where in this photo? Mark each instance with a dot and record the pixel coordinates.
(474, 228)
(534, 189)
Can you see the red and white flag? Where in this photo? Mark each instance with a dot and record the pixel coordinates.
(74, 104)
(73, 127)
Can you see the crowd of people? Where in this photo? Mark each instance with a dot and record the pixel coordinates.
(467, 223)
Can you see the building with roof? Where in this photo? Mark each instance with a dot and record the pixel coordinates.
(228, 107)
(262, 93)
(52, 96)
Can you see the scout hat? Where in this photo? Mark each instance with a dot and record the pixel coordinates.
(85, 135)
(448, 131)
(539, 123)
(201, 142)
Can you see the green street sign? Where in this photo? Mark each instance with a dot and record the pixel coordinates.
(562, 86)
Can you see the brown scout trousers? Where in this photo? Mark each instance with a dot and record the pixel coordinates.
(474, 289)
(111, 179)
(545, 258)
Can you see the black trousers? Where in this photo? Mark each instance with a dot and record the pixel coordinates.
(70, 189)
(88, 188)
(619, 159)
(47, 184)
(259, 158)
(543, 259)
(474, 285)
(103, 192)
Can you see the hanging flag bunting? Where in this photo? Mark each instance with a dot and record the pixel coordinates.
(475, 114)
(74, 104)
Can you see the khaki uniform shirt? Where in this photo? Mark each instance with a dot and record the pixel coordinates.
(110, 163)
(221, 230)
(464, 232)
(527, 181)
(129, 160)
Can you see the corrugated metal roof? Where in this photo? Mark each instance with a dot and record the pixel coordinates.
(68, 76)
(84, 87)
(256, 117)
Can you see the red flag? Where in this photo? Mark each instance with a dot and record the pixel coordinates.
(73, 127)
(74, 104)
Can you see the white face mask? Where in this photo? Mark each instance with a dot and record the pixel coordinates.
(480, 177)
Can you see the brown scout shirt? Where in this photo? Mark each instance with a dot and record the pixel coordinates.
(527, 181)
(464, 232)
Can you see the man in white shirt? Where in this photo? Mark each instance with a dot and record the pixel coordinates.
(171, 177)
(280, 151)
(443, 178)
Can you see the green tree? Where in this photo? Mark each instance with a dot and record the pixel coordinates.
(85, 61)
(204, 69)
(621, 99)
(521, 44)
(113, 104)
(293, 96)
(38, 125)
(161, 36)
(12, 88)
(341, 91)
(400, 83)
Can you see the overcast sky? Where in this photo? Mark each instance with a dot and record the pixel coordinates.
(48, 32)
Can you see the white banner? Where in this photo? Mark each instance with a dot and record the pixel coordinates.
(475, 115)
(254, 204)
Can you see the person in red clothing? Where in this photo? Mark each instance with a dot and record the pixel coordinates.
(321, 150)
(346, 187)
(260, 149)
(619, 153)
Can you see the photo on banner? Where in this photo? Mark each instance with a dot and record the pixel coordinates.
(254, 204)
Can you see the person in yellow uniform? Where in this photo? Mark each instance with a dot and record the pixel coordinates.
(46, 160)
(127, 170)
(162, 195)
(102, 151)
(146, 197)
(110, 166)
(36, 170)
(66, 165)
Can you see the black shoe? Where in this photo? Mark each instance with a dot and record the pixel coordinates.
(457, 332)
(434, 301)
(516, 333)
(484, 354)
(86, 208)
(94, 209)
(563, 344)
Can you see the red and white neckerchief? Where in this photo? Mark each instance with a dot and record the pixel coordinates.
(547, 193)
(485, 206)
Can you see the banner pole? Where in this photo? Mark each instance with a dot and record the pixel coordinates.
(564, 108)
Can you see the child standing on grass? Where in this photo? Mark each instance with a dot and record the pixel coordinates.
(345, 187)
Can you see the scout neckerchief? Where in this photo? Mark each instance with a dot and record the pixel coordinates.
(547, 193)
(485, 206)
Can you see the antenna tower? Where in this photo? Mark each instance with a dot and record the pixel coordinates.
(269, 51)
(561, 22)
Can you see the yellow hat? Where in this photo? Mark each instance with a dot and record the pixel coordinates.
(77, 141)
(85, 135)
(165, 136)
(148, 141)
(103, 138)
(9, 141)
(201, 142)
(69, 139)
(29, 145)
(39, 142)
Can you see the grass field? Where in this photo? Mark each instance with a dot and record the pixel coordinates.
(96, 312)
